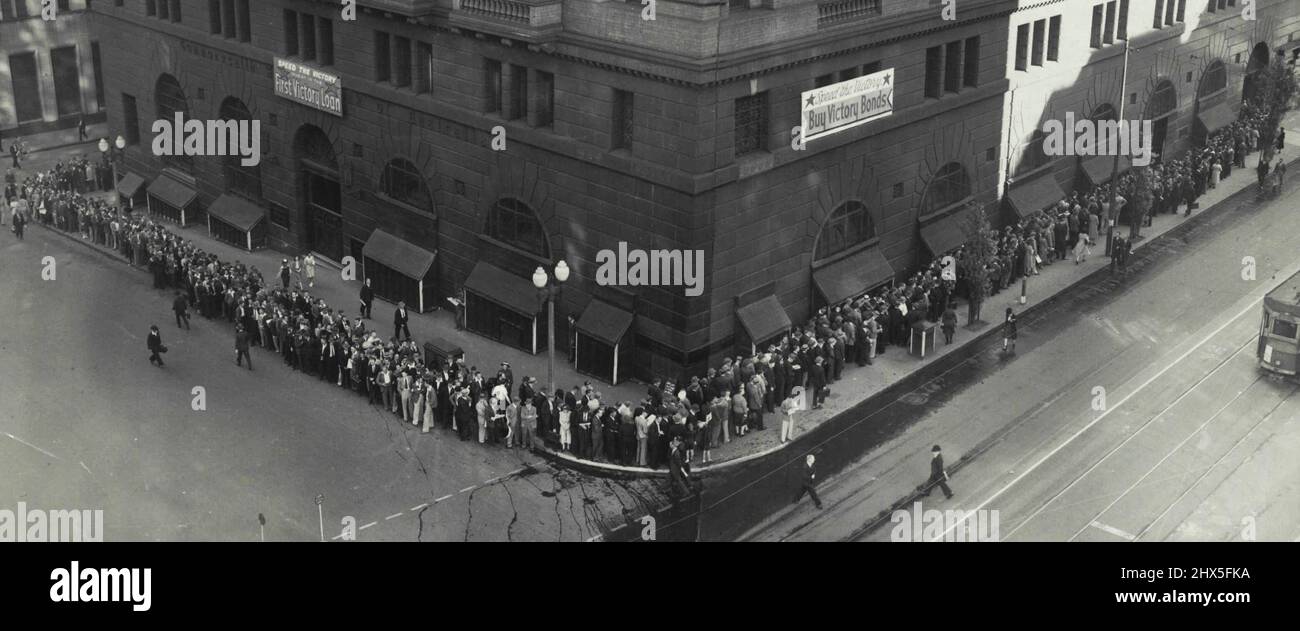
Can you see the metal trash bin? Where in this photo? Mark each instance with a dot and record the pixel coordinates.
(921, 338)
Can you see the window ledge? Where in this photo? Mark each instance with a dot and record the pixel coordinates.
(411, 208)
(946, 210)
(753, 163)
(540, 260)
(846, 253)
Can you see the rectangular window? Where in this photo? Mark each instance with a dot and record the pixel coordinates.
(423, 67)
(99, 75)
(622, 121)
(751, 123)
(971, 72)
(1040, 41)
(1095, 39)
(1054, 38)
(401, 61)
(245, 22)
(130, 120)
(67, 81)
(545, 99)
(1170, 7)
(874, 66)
(290, 32)
(933, 71)
(27, 87)
(823, 80)
(1160, 10)
(307, 36)
(383, 57)
(492, 85)
(64, 5)
(1122, 28)
(163, 11)
(518, 92)
(1022, 47)
(1108, 31)
(1182, 9)
(176, 10)
(851, 73)
(214, 17)
(952, 67)
(1282, 328)
(324, 41)
(228, 21)
(150, 7)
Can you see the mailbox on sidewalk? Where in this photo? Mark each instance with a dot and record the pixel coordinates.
(439, 351)
(921, 340)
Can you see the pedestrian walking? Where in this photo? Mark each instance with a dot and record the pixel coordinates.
(809, 485)
(367, 299)
(155, 346)
(950, 320)
(678, 473)
(309, 266)
(19, 221)
(400, 318)
(181, 307)
(1081, 249)
(1009, 331)
(241, 347)
(81, 128)
(284, 274)
(938, 474)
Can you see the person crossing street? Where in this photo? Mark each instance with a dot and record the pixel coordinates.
(155, 346)
(938, 474)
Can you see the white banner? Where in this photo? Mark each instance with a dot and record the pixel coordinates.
(846, 104)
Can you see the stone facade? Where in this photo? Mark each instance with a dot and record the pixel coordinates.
(32, 34)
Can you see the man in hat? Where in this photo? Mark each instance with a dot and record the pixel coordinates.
(817, 382)
(241, 347)
(284, 274)
(508, 376)
(181, 308)
(367, 299)
(155, 346)
(938, 474)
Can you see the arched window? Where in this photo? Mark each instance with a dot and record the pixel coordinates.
(1163, 102)
(240, 179)
(1104, 112)
(949, 186)
(169, 99)
(1032, 154)
(401, 181)
(849, 225)
(512, 221)
(1214, 79)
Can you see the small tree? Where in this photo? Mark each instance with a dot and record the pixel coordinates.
(1277, 86)
(976, 254)
(1140, 201)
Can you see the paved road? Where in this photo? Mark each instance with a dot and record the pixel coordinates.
(87, 422)
(1193, 442)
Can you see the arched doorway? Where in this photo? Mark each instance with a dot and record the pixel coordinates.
(319, 192)
(169, 100)
(1161, 107)
(1211, 92)
(1259, 57)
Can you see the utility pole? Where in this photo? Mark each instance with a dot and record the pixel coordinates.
(320, 512)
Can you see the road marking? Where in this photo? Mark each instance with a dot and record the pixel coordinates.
(489, 482)
(393, 516)
(32, 446)
(368, 525)
(1249, 307)
(83, 466)
(1112, 530)
(447, 496)
(468, 488)
(418, 508)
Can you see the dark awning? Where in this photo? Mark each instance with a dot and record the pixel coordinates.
(503, 288)
(854, 275)
(1098, 169)
(236, 211)
(130, 184)
(763, 319)
(172, 191)
(1035, 194)
(947, 233)
(405, 257)
(1216, 117)
(605, 322)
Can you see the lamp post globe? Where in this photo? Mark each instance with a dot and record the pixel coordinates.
(540, 278)
(120, 143)
(103, 145)
(561, 271)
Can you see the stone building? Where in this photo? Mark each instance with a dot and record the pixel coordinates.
(49, 69)
(474, 141)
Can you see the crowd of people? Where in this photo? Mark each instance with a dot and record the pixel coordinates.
(675, 423)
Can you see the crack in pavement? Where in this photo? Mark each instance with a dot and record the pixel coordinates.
(420, 518)
(469, 512)
(513, 510)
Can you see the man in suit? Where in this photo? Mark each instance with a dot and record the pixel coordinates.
(155, 346)
(817, 381)
(809, 484)
(755, 395)
(241, 347)
(677, 472)
(367, 296)
(181, 308)
(938, 474)
(399, 321)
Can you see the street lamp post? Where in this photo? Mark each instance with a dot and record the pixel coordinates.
(119, 144)
(549, 292)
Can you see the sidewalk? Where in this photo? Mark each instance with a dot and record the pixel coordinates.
(50, 141)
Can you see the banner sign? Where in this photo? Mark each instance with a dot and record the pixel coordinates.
(309, 86)
(846, 104)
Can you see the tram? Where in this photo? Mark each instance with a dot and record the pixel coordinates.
(1278, 343)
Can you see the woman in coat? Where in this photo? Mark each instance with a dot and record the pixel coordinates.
(1009, 331)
